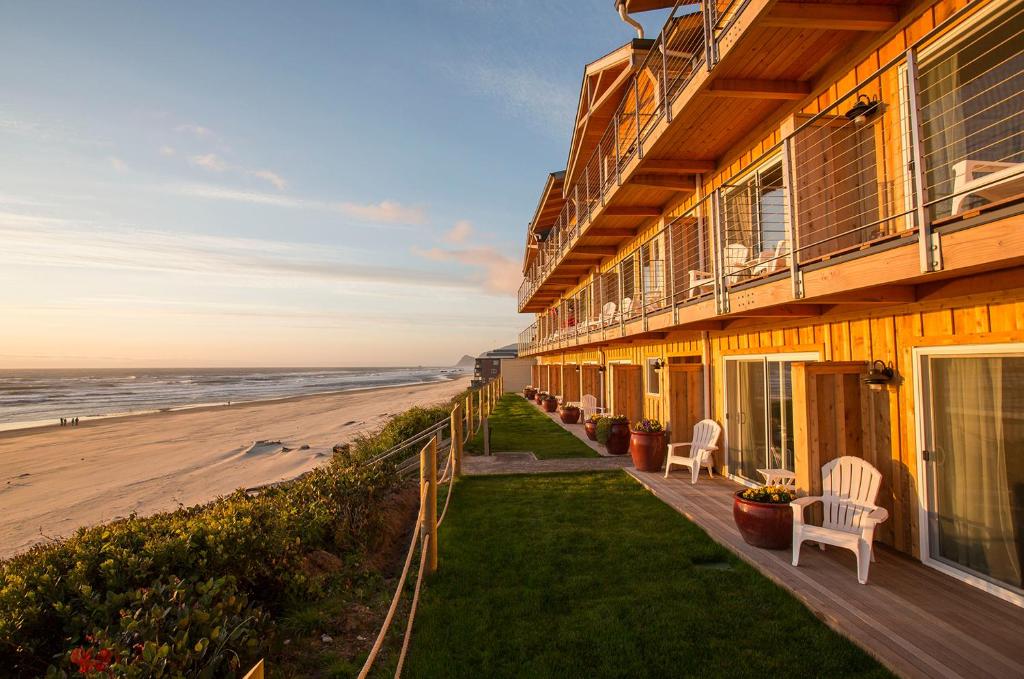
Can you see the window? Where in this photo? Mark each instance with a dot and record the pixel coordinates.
(971, 103)
(653, 376)
(753, 220)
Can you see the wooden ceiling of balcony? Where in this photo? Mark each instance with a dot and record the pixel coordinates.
(782, 53)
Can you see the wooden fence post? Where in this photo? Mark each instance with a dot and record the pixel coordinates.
(428, 475)
(456, 427)
(469, 412)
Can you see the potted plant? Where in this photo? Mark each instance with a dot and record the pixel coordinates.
(764, 517)
(530, 392)
(647, 445)
(590, 426)
(550, 403)
(613, 433)
(540, 396)
(569, 413)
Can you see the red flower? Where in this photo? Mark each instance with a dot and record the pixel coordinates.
(86, 662)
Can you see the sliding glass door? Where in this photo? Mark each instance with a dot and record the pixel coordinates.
(972, 454)
(759, 414)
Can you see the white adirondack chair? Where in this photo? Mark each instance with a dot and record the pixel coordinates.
(735, 257)
(989, 179)
(589, 406)
(702, 449)
(608, 313)
(849, 487)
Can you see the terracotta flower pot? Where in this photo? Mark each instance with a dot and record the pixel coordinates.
(550, 404)
(618, 439)
(591, 428)
(529, 394)
(569, 415)
(537, 398)
(763, 524)
(647, 450)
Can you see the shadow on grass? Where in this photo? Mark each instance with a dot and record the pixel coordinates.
(516, 425)
(589, 575)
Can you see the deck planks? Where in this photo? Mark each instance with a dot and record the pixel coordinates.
(916, 621)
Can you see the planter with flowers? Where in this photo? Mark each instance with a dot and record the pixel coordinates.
(764, 517)
(613, 433)
(540, 396)
(529, 393)
(550, 403)
(569, 413)
(647, 445)
(590, 426)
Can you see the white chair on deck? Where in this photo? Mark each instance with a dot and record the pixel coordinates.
(589, 406)
(734, 260)
(989, 179)
(608, 313)
(702, 450)
(774, 262)
(849, 489)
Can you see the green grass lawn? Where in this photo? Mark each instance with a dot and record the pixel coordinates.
(589, 575)
(517, 425)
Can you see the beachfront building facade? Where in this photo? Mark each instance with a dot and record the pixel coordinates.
(767, 204)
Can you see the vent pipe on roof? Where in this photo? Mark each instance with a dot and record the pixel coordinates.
(621, 6)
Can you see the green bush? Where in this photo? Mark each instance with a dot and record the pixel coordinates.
(187, 593)
(604, 426)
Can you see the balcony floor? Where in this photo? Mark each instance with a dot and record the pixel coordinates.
(912, 618)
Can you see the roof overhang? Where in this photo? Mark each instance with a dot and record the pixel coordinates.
(548, 208)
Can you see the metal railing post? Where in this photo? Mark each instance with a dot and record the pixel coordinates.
(670, 283)
(929, 243)
(618, 174)
(622, 316)
(586, 179)
(636, 111)
(721, 292)
(664, 76)
(795, 274)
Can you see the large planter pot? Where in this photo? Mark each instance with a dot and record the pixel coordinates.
(550, 405)
(647, 450)
(618, 439)
(537, 398)
(762, 524)
(569, 415)
(591, 428)
(529, 394)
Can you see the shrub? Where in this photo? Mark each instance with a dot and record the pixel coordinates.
(604, 426)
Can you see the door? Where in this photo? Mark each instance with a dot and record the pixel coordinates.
(972, 455)
(571, 382)
(685, 400)
(759, 414)
(593, 383)
(627, 391)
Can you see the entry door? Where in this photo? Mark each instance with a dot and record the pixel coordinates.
(593, 383)
(972, 454)
(759, 414)
(686, 400)
(627, 391)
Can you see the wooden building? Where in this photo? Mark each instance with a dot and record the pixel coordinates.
(766, 200)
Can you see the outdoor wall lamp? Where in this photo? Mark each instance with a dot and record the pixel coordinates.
(659, 363)
(879, 375)
(602, 369)
(864, 108)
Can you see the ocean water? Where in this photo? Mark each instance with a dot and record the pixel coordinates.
(34, 397)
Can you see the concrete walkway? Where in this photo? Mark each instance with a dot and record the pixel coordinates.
(527, 463)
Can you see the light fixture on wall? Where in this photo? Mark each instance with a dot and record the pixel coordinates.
(602, 369)
(658, 364)
(879, 376)
(862, 109)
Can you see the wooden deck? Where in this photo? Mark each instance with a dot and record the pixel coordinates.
(915, 620)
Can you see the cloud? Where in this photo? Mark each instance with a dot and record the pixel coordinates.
(501, 275)
(50, 242)
(197, 131)
(525, 93)
(210, 161)
(462, 230)
(385, 212)
(117, 164)
(167, 150)
(273, 178)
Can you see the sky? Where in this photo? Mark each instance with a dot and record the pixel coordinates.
(277, 183)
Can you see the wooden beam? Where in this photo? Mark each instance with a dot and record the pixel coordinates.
(697, 326)
(675, 183)
(781, 311)
(671, 166)
(631, 211)
(760, 89)
(611, 233)
(828, 16)
(603, 250)
(886, 294)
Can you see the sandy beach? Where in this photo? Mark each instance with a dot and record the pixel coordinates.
(56, 479)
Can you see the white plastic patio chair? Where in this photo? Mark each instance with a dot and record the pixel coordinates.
(702, 449)
(608, 313)
(989, 179)
(735, 259)
(849, 487)
(774, 262)
(589, 406)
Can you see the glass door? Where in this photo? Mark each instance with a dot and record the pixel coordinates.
(973, 459)
(759, 414)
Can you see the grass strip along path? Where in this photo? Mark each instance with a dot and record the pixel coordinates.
(589, 575)
(516, 425)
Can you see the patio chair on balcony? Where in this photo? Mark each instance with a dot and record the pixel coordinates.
(702, 450)
(773, 261)
(608, 313)
(989, 179)
(735, 259)
(849, 489)
(589, 406)
(627, 308)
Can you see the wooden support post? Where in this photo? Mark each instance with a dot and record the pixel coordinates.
(469, 413)
(456, 437)
(487, 436)
(428, 477)
(802, 402)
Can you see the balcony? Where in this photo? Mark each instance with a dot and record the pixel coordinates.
(703, 86)
(913, 178)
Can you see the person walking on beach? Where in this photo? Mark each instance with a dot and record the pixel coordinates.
(75, 421)
(62, 421)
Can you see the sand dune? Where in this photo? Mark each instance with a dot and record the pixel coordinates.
(56, 479)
